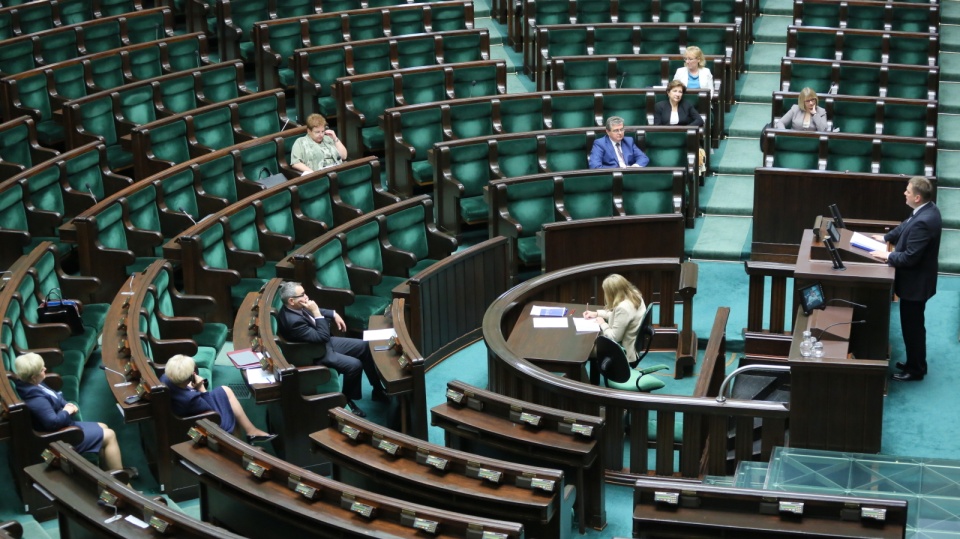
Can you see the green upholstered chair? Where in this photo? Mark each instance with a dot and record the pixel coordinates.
(213, 129)
(15, 236)
(409, 231)
(331, 273)
(220, 84)
(281, 40)
(814, 44)
(561, 41)
(44, 191)
(244, 236)
(69, 82)
(470, 119)
(214, 257)
(589, 196)
(424, 86)
(135, 104)
(910, 83)
(666, 148)
(16, 56)
(329, 30)
(660, 40)
(355, 187)
(30, 95)
(29, 18)
(903, 19)
(312, 200)
(96, 119)
(584, 74)
(365, 101)
(112, 235)
(57, 45)
(861, 47)
(145, 63)
(808, 75)
(179, 195)
(517, 157)
(165, 145)
(474, 81)
(50, 275)
(103, 35)
(470, 166)
(821, 14)
(322, 69)
(262, 116)
(569, 111)
(411, 21)
(632, 108)
(419, 131)
(280, 225)
(859, 80)
(142, 210)
(855, 117)
(19, 149)
(521, 115)
(416, 52)
(907, 120)
(368, 57)
(172, 304)
(449, 17)
(796, 151)
(567, 152)
(907, 158)
(235, 20)
(636, 11)
(648, 194)
(846, 155)
(676, 11)
(548, 12)
(866, 17)
(218, 178)
(258, 161)
(531, 205)
(362, 250)
(106, 72)
(594, 11)
(171, 337)
(88, 172)
(461, 46)
(639, 73)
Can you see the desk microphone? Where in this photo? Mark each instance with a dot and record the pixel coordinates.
(124, 376)
(90, 189)
(623, 77)
(847, 302)
(116, 516)
(824, 330)
(183, 211)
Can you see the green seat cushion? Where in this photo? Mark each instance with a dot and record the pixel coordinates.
(473, 209)
(528, 251)
(638, 382)
(422, 172)
(94, 314)
(205, 357)
(213, 335)
(357, 315)
(386, 286)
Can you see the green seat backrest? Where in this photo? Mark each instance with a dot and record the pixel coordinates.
(816, 45)
(416, 52)
(69, 81)
(425, 87)
(75, 11)
(111, 232)
(15, 146)
(57, 45)
(586, 74)
(904, 158)
(45, 190)
(712, 41)
(244, 13)
(520, 115)
(717, 11)
(214, 128)
(314, 200)
(355, 187)
(446, 18)
(27, 289)
(855, 117)
(905, 120)
(472, 120)
(169, 141)
(865, 17)
(283, 39)
(588, 197)
(639, 73)
(796, 152)
(908, 83)
(328, 30)
(143, 27)
(136, 104)
(183, 54)
(474, 81)
(660, 40)
(178, 94)
(218, 177)
(909, 50)
(161, 286)
(406, 22)
(331, 272)
(35, 17)
(107, 72)
(856, 80)
(910, 20)
(531, 204)
(116, 7)
(632, 109)
(849, 155)
(260, 117)
(7, 25)
(591, 11)
(615, 41)
(142, 209)
(46, 272)
(460, 48)
(219, 85)
(145, 63)
(19, 340)
(821, 14)
(84, 173)
(259, 161)
(676, 11)
(243, 230)
(647, 194)
(862, 48)
(102, 35)
(566, 42)
(278, 213)
(810, 76)
(422, 129)
(16, 56)
(407, 231)
(326, 67)
(96, 117)
(179, 193)
(33, 94)
(212, 248)
(572, 111)
(370, 57)
(518, 157)
(636, 11)
(470, 165)
(666, 149)
(13, 214)
(363, 246)
(567, 152)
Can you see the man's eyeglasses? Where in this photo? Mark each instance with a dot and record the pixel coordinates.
(618, 130)
(299, 296)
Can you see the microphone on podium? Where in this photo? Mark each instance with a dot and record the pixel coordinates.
(824, 330)
(847, 302)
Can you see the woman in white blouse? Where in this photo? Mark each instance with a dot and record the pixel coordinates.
(694, 74)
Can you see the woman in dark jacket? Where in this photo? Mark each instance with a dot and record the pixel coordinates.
(676, 111)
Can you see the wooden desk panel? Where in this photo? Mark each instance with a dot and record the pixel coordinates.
(553, 349)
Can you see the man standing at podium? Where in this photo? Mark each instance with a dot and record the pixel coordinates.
(916, 244)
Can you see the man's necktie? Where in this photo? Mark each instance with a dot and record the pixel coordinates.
(620, 155)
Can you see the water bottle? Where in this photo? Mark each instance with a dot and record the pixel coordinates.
(806, 345)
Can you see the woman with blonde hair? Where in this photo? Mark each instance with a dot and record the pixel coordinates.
(694, 74)
(623, 312)
(806, 115)
(189, 396)
(50, 412)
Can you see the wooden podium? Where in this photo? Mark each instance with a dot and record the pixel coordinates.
(836, 401)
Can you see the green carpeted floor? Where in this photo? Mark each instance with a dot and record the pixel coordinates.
(727, 195)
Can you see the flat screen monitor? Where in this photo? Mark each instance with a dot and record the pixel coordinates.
(832, 232)
(811, 298)
(837, 219)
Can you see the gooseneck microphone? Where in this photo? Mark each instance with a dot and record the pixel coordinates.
(105, 368)
(183, 211)
(824, 330)
(847, 302)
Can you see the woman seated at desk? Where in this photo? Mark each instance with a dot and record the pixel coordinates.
(620, 319)
(806, 115)
(189, 396)
(676, 111)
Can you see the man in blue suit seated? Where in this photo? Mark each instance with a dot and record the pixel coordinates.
(615, 150)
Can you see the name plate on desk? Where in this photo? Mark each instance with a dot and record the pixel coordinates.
(423, 457)
(518, 416)
(474, 470)
(384, 445)
(347, 501)
(410, 518)
(349, 431)
(570, 427)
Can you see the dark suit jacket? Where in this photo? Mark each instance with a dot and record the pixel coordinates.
(45, 409)
(295, 326)
(686, 112)
(917, 246)
(604, 155)
(184, 401)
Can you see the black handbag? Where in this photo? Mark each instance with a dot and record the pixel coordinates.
(60, 311)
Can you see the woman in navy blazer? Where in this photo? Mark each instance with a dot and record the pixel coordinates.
(676, 111)
(50, 412)
(189, 396)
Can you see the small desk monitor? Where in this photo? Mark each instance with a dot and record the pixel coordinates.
(811, 298)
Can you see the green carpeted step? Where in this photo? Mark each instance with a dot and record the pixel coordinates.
(949, 13)
(727, 194)
(776, 7)
(950, 251)
(35, 530)
(765, 56)
(950, 66)
(747, 119)
(737, 156)
(949, 96)
(498, 32)
(948, 131)
(757, 87)
(723, 238)
(518, 83)
(948, 168)
(949, 38)
(771, 28)
(948, 199)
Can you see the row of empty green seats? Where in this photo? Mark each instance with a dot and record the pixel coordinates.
(914, 48)
(279, 42)
(19, 54)
(869, 15)
(318, 68)
(860, 78)
(43, 91)
(19, 148)
(363, 99)
(850, 152)
(29, 17)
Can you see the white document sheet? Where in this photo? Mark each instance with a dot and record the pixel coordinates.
(551, 322)
(258, 376)
(586, 325)
(541, 310)
(379, 334)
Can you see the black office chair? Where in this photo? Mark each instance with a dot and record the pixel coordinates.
(644, 337)
(618, 372)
